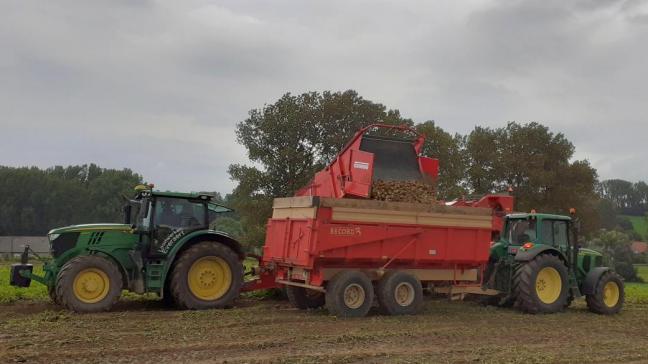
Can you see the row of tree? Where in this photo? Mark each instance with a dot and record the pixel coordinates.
(291, 139)
(626, 197)
(33, 200)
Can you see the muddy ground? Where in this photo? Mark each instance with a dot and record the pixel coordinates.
(260, 331)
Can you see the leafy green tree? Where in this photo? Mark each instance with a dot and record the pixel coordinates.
(448, 150)
(34, 200)
(537, 164)
(484, 155)
(616, 244)
(607, 213)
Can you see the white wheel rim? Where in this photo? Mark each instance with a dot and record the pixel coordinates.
(404, 294)
(354, 296)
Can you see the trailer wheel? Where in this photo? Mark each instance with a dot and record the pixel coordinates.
(89, 284)
(399, 293)
(207, 275)
(609, 295)
(349, 294)
(540, 286)
(304, 298)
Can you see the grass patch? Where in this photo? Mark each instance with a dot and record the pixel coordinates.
(639, 224)
(35, 292)
(636, 293)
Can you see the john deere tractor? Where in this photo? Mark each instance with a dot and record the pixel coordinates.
(164, 246)
(541, 268)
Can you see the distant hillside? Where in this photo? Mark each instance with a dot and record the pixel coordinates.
(639, 224)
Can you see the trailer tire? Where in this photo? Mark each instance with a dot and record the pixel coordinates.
(541, 285)
(304, 298)
(88, 283)
(206, 275)
(349, 294)
(608, 296)
(399, 293)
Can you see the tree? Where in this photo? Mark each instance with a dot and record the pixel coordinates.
(34, 200)
(484, 155)
(616, 244)
(537, 164)
(289, 141)
(448, 150)
(607, 214)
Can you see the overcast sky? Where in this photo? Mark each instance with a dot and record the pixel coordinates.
(158, 86)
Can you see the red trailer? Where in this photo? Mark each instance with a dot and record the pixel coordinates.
(331, 245)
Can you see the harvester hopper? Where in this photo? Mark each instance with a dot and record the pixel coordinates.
(371, 157)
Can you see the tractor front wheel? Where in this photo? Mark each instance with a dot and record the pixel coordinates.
(207, 275)
(540, 285)
(608, 296)
(88, 284)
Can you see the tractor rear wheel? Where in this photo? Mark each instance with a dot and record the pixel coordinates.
(540, 285)
(399, 293)
(304, 298)
(349, 294)
(608, 296)
(88, 284)
(207, 275)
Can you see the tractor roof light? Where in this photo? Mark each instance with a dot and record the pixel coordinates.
(528, 246)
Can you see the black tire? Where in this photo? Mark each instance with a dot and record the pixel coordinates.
(180, 287)
(358, 289)
(167, 296)
(527, 287)
(304, 298)
(399, 293)
(100, 295)
(597, 302)
(52, 294)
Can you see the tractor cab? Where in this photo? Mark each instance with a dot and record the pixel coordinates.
(538, 229)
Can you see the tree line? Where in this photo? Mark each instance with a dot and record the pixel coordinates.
(34, 200)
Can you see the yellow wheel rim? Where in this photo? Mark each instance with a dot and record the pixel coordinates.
(91, 285)
(548, 285)
(209, 278)
(404, 294)
(354, 296)
(611, 294)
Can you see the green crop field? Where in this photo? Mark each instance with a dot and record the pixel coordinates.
(639, 224)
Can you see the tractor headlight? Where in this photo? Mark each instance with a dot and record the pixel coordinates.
(53, 237)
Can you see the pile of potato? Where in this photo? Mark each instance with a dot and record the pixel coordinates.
(403, 191)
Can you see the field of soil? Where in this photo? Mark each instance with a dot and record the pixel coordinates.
(266, 330)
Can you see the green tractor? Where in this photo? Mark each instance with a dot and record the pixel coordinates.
(164, 246)
(540, 267)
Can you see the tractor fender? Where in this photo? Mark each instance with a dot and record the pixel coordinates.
(527, 255)
(198, 236)
(589, 285)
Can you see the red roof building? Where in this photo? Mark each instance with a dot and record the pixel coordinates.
(639, 247)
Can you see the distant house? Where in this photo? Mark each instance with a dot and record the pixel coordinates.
(639, 247)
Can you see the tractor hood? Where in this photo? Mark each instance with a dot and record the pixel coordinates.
(91, 227)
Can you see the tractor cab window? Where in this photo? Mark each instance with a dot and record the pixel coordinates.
(179, 213)
(554, 232)
(522, 231)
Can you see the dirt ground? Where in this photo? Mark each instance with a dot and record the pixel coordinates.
(261, 331)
